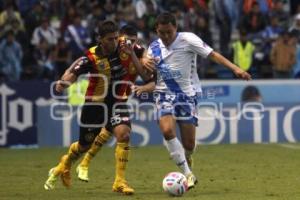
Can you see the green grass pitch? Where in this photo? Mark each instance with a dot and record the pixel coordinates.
(225, 172)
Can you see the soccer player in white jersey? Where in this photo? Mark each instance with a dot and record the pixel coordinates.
(175, 54)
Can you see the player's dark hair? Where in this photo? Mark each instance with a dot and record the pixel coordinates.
(128, 30)
(165, 18)
(250, 93)
(107, 27)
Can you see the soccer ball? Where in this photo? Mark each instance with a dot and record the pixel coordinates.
(175, 183)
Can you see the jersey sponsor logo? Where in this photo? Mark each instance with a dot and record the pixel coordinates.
(102, 64)
(165, 74)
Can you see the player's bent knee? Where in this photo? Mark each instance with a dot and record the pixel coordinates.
(122, 133)
(168, 133)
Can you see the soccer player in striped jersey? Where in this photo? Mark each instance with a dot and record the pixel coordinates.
(129, 33)
(176, 87)
(111, 66)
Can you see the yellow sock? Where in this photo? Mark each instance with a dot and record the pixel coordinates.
(101, 139)
(121, 156)
(67, 159)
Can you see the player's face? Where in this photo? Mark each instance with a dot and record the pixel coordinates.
(132, 38)
(167, 33)
(109, 42)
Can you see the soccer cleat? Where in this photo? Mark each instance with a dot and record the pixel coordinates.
(65, 177)
(191, 180)
(50, 183)
(122, 187)
(82, 173)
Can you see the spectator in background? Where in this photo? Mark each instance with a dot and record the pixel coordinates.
(243, 52)
(294, 7)
(127, 11)
(295, 42)
(141, 7)
(226, 14)
(254, 21)
(283, 57)
(61, 57)
(149, 19)
(10, 57)
(94, 18)
(10, 18)
(44, 32)
(77, 37)
(34, 17)
(44, 60)
(251, 94)
(264, 5)
(263, 49)
(279, 12)
(68, 18)
(201, 28)
(296, 26)
(272, 31)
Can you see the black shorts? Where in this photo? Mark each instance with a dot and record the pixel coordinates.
(94, 116)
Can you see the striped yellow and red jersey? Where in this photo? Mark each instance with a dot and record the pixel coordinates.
(108, 75)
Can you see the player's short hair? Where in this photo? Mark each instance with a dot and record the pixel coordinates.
(107, 27)
(128, 30)
(165, 18)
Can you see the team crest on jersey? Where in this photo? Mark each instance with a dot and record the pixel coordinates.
(102, 63)
(132, 69)
(123, 56)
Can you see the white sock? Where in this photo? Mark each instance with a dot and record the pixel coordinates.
(177, 153)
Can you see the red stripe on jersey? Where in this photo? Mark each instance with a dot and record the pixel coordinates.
(125, 88)
(92, 80)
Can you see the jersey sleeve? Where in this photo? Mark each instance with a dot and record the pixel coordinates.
(197, 46)
(81, 66)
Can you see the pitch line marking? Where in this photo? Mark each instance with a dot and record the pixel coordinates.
(290, 146)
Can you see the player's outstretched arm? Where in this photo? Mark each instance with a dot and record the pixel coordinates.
(70, 75)
(80, 66)
(218, 58)
(66, 80)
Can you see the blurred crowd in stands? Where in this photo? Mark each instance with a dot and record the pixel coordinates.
(39, 39)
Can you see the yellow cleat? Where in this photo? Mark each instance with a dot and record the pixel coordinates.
(191, 180)
(122, 187)
(50, 182)
(82, 173)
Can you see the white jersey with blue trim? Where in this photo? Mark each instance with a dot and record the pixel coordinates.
(177, 64)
